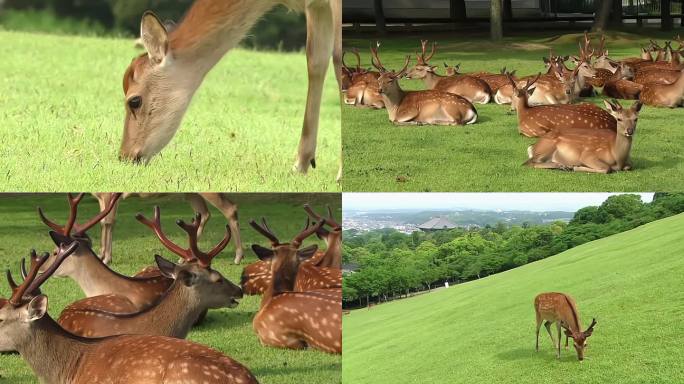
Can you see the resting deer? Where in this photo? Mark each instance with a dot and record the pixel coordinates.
(295, 320)
(198, 202)
(196, 288)
(589, 150)
(363, 88)
(534, 121)
(622, 89)
(421, 107)
(660, 76)
(57, 356)
(664, 95)
(561, 309)
(470, 88)
(159, 85)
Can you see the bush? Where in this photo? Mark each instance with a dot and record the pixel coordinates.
(46, 21)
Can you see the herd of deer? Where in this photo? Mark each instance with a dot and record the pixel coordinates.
(131, 329)
(579, 137)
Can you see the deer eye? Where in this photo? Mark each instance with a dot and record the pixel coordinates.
(135, 102)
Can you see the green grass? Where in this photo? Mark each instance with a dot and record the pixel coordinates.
(62, 118)
(484, 331)
(228, 330)
(487, 156)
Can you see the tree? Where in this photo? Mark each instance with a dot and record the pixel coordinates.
(602, 15)
(495, 20)
(379, 16)
(458, 10)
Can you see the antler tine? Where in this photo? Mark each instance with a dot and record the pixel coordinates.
(330, 220)
(355, 52)
(36, 282)
(73, 210)
(155, 225)
(56, 227)
(591, 326)
(191, 229)
(218, 248)
(432, 51)
(375, 60)
(82, 229)
(10, 280)
(297, 241)
(266, 233)
(403, 70)
(602, 45)
(18, 293)
(530, 83)
(510, 79)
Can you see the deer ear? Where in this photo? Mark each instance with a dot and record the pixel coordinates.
(610, 106)
(637, 105)
(264, 254)
(546, 61)
(58, 238)
(306, 253)
(154, 37)
(167, 268)
(36, 308)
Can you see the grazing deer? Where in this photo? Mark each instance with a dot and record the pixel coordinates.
(363, 89)
(295, 320)
(470, 88)
(561, 309)
(196, 288)
(421, 107)
(159, 85)
(198, 202)
(57, 356)
(535, 121)
(589, 150)
(664, 95)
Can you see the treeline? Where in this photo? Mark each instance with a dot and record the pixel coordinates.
(280, 29)
(391, 264)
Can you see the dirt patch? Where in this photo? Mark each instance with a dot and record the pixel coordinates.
(530, 46)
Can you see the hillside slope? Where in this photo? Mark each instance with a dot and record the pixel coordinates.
(483, 331)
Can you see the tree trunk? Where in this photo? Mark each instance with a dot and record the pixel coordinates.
(616, 14)
(665, 15)
(458, 10)
(507, 10)
(379, 16)
(602, 15)
(495, 20)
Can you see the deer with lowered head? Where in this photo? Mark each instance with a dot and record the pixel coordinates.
(159, 84)
(362, 89)
(470, 88)
(290, 319)
(561, 309)
(420, 107)
(589, 150)
(538, 120)
(57, 356)
(664, 95)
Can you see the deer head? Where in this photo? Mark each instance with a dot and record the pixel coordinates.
(626, 118)
(323, 233)
(388, 80)
(72, 231)
(580, 338)
(348, 73)
(522, 93)
(422, 67)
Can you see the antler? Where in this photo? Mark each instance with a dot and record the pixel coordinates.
(421, 57)
(329, 220)
(308, 231)
(590, 329)
(584, 55)
(375, 60)
(71, 224)
(602, 45)
(192, 253)
(355, 52)
(82, 229)
(529, 83)
(265, 231)
(403, 70)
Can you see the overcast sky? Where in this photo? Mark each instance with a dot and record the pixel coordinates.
(570, 202)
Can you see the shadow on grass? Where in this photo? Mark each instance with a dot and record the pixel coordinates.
(225, 320)
(545, 353)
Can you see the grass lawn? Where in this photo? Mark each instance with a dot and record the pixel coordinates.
(487, 156)
(62, 113)
(484, 331)
(228, 330)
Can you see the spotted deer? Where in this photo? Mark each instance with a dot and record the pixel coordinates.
(622, 89)
(421, 107)
(196, 288)
(57, 356)
(295, 320)
(589, 150)
(664, 95)
(470, 88)
(561, 309)
(159, 84)
(363, 89)
(660, 76)
(535, 121)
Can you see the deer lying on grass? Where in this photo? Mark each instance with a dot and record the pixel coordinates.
(421, 107)
(660, 76)
(589, 150)
(561, 309)
(196, 288)
(296, 320)
(470, 88)
(622, 89)
(494, 80)
(159, 85)
(363, 88)
(534, 121)
(198, 202)
(664, 95)
(57, 356)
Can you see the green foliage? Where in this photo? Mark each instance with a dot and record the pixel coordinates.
(48, 21)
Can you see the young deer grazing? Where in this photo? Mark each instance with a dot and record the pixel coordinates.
(159, 85)
(295, 320)
(664, 95)
(362, 87)
(57, 356)
(589, 150)
(561, 309)
(470, 88)
(535, 121)
(421, 107)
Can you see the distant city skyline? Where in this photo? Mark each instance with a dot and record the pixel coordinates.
(537, 202)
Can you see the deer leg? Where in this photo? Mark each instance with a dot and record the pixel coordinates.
(547, 325)
(320, 39)
(547, 165)
(199, 206)
(566, 341)
(230, 211)
(539, 323)
(107, 226)
(558, 327)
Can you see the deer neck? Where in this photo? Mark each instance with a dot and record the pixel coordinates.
(393, 98)
(334, 250)
(621, 149)
(521, 108)
(95, 278)
(431, 79)
(283, 280)
(52, 353)
(175, 312)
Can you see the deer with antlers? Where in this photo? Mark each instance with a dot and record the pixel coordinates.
(57, 356)
(664, 95)
(560, 308)
(589, 150)
(420, 107)
(159, 84)
(289, 319)
(470, 88)
(362, 87)
(196, 288)
(535, 121)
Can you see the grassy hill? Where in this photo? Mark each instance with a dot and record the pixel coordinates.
(62, 110)
(484, 331)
